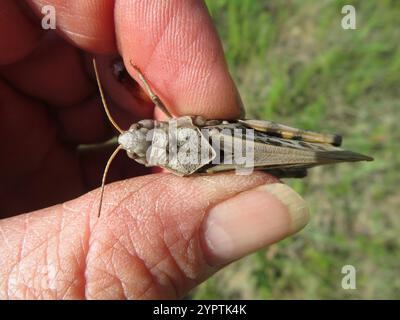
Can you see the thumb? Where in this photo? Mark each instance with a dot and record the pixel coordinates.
(158, 236)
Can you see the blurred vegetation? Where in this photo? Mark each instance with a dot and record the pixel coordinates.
(293, 63)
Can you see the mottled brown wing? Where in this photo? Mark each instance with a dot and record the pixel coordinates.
(272, 152)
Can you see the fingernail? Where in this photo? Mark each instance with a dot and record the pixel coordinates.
(296, 205)
(252, 220)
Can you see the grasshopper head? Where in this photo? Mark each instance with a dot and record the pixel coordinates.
(134, 141)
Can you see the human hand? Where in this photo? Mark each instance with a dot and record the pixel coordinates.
(159, 235)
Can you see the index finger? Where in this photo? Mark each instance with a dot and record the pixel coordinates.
(173, 42)
(176, 46)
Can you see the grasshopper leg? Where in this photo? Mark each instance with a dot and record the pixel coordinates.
(156, 100)
(287, 132)
(288, 173)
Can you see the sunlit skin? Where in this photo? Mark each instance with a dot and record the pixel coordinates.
(149, 241)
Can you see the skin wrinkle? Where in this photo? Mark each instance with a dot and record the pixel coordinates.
(188, 75)
(115, 270)
(22, 257)
(114, 276)
(112, 248)
(129, 194)
(173, 260)
(58, 240)
(150, 56)
(158, 273)
(192, 239)
(151, 276)
(20, 251)
(5, 238)
(143, 294)
(88, 243)
(178, 223)
(79, 35)
(85, 248)
(66, 292)
(135, 253)
(154, 276)
(186, 243)
(173, 38)
(197, 67)
(46, 262)
(102, 270)
(33, 250)
(182, 238)
(80, 262)
(160, 38)
(6, 291)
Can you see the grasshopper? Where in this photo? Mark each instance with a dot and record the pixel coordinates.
(278, 149)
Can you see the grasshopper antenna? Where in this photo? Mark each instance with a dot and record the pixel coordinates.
(103, 181)
(103, 99)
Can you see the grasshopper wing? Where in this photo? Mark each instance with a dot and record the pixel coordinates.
(270, 152)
